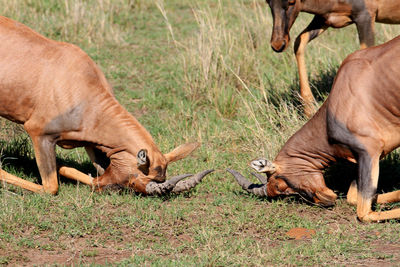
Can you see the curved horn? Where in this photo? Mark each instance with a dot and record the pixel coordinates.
(261, 178)
(256, 189)
(153, 188)
(191, 182)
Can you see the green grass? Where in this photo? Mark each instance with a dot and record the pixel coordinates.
(189, 71)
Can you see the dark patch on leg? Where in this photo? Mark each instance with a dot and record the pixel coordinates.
(47, 158)
(44, 147)
(313, 29)
(364, 182)
(363, 21)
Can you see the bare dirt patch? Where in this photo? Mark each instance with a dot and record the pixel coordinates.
(78, 255)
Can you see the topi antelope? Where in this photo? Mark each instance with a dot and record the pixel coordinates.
(359, 121)
(62, 98)
(328, 13)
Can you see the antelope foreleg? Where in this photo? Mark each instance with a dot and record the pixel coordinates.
(367, 183)
(374, 216)
(365, 23)
(314, 29)
(368, 172)
(45, 154)
(389, 197)
(74, 174)
(46, 162)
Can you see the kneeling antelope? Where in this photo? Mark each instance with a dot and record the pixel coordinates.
(62, 98)
(359, 121)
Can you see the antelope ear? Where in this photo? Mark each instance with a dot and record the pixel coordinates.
(181, 152)
(263, 165)
(142, 158)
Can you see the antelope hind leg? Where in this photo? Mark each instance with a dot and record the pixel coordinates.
(45, 155)
(14, 180)
(313, 30)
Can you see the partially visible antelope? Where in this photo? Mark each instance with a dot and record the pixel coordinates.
(359, 121)
(62, 98)
(328, 13)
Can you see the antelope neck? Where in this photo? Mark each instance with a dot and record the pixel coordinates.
(119, 131)
(308, 150)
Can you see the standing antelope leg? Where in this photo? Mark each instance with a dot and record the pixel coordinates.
(14, 180)
(314, 29)
(365, 28)
(359, 122)
(45, 156)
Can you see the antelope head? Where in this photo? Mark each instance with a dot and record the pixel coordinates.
(279, 181)
(148, 176)
(151, 177)
(284, 13)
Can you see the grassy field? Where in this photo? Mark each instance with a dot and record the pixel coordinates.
(190, 71)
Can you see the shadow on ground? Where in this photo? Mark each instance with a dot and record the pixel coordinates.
(339, 176)
(320, 87)
(18, 155)
(322, 84)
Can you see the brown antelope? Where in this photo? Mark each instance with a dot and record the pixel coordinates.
(62, 98)
(359, 121)
(328, 13)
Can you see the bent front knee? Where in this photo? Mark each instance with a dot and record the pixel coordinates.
(51, 189)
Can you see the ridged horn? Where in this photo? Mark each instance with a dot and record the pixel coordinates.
(260, 177)
(153, 188)
(256, 189)
(191, 182)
